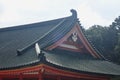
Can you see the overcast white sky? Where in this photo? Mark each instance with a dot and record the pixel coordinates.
(90, 12)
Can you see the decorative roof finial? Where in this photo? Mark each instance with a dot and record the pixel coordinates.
(74, 13)
(37, 48)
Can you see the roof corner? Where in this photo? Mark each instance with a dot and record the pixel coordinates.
(74, 13)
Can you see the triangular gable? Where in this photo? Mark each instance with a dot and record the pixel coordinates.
(75, 40)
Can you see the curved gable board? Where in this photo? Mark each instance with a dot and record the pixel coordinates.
(73, 47)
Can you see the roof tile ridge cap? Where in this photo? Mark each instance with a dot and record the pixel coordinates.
(23, 49)
(17, 27)
(74, 13)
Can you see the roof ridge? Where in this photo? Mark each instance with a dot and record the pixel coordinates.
(24, 26)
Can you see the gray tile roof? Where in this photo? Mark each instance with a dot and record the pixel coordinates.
(21, 40)
(14, 38)
(75, 62)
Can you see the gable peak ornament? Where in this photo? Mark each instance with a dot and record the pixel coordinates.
(74, 36)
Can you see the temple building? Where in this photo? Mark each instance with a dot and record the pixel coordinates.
(52, 50)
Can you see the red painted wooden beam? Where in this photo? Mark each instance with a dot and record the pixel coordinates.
(44, 70)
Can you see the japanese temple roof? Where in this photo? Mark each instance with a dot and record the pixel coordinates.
(17, 48)
(82, 63)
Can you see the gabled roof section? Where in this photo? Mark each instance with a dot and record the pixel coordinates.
(74, 39)
(21, 39)
(14, 38)
(54, 34)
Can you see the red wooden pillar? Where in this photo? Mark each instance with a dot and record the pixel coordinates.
(41, 72)
(40, 77)
(59, 78)
(21, 76)
(0, 77)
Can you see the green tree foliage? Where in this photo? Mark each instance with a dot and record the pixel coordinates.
(116, 24)
(115, 27)
(117, 49)
(99, 36)
(116, 78)
(106, 39)
(95, 34)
